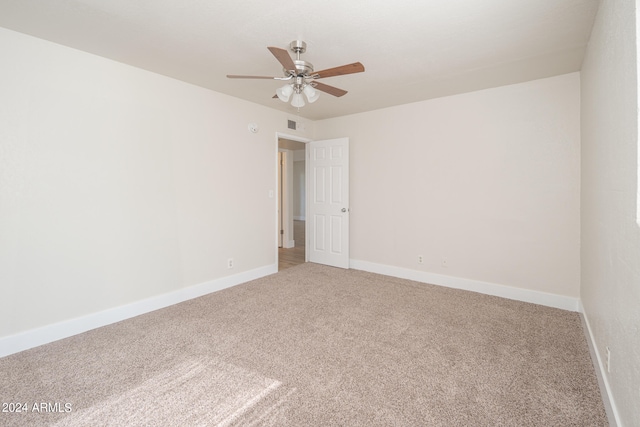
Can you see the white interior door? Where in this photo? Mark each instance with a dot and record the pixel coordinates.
(328, 202)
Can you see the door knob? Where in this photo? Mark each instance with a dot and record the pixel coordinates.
(344, 209)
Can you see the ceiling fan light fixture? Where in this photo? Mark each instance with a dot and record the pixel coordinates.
(284, 92)
(301, 76)
(311, 94)
(297, 101)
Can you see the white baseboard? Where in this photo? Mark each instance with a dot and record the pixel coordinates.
(518, 294)
(46, 334)
(599, 366)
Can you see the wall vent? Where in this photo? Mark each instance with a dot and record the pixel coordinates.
(291, 124)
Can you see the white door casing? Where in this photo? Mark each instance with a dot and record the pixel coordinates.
(285, 196)
(328, 202)
(280, 199)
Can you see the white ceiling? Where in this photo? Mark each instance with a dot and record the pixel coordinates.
(412, 50)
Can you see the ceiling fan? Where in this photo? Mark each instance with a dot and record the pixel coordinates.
(300, 77)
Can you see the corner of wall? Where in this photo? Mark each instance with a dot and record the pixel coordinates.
(599, 368)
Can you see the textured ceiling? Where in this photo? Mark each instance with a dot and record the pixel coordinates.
(412, 49)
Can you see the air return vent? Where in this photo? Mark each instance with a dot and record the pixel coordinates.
(291, 124)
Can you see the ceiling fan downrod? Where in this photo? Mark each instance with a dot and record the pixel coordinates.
(298, 47)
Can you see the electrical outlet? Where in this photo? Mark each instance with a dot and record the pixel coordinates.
(445, 262)
(608, 359)
(420, 259)
(230, 263)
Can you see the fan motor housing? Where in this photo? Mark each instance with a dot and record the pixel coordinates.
(303, 68)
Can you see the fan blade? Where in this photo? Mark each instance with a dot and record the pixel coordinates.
(356, 67)
(331, 90)
(234, 76)
(283, 57)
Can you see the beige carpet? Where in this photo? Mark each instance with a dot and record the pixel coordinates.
(316, 346)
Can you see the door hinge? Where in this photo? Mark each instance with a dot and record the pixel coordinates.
(281, 231)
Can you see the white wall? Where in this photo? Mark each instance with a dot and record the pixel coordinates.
(487, 180)
(610, 288)
(118, 185)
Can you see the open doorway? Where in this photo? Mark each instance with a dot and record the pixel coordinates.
(291, 203)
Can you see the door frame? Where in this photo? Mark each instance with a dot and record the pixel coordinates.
(285, 197)
(281, 135)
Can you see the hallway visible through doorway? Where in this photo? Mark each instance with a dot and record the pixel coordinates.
(293, 256)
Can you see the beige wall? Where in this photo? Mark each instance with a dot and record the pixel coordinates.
(118, 185)
(488, 181)
(610, 289)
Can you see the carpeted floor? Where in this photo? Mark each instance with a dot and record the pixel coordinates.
(316, 346)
